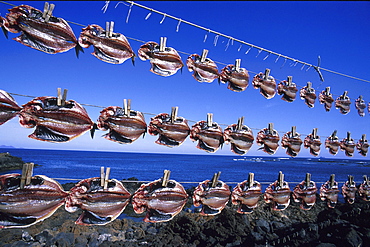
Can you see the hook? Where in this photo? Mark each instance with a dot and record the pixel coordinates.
(105, 7)
(215, 40)
(267, 56)
(277, 58)
(228, 42)
(248, 50)
(129, 12)
(239, 47)
(205, 36)
(149, 14)
(283, 63)
(259, 52)
(164, 16)
(178, 25)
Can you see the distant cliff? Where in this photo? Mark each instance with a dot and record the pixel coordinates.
(9, 162)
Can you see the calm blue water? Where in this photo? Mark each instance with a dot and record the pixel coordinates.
(187, 168)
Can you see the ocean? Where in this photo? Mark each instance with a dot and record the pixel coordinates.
(187, 169)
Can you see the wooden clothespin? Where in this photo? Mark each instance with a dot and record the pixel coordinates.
(366, 180)
(334, 135)
(237, 64)
(166, 177)
(250, 179)
(309, 85)
(127, 107)
(104, 177)
(240, 123)
(215, 178)
(293, 132)
(109, 29)
(351, 182)
(314, 133)
(267, 74)
(289, 81)
(308, 179)
(280, 179)
(48, 11)
(327, 91)
(27, 171)
(332, 180)
(174, 111)
(348, 135)
(344, 95)
(162, 44)
(209, 119)
(61, 100)
(270, 128)
(204, 56)
(363, 138)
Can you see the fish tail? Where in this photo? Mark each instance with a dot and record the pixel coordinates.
(78, 49)
(5, 31)
(133, 60)
(92, 131)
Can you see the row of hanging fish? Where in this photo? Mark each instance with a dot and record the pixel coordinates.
(56, 119)
(49, 34)
(26, 199)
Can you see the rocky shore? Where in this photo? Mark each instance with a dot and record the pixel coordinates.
(345, 225)
(9, 162)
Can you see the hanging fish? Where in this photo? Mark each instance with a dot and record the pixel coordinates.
(162, 202)
(268, 138)
(236, 77)
(360, 106)
(305, 193)
(332, 143)
(8, 107)
(34, 203)
(349, 190)
(362, 145)
(172, 131)
(265, 83)
(123, 128)
(45, 33)
(165, 61)
(203, 68)
(278, 194)
(240, 137)
(208, 134)
(343, 103)
(246, 194)
(312, 141)
(329, 192)
(287, 89)
(307, 93)
(326, 98)
(364, 189)
(212, 197)
(348, 145)
(54, 123)
(292, 142)
(100, 205)
(108, 46)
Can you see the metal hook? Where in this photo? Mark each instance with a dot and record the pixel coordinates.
(149, 14)
(239, 47)
(105, 7)
(215, 40)
(248, 50)
(303, 66)
(259, 52)
(205, 36)
(178, 25)
(277, 58)
(228, 42)
(283, 63)
(129, 12)
(267, 56)
(164, 16)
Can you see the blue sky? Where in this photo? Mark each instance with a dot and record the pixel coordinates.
(336, 31)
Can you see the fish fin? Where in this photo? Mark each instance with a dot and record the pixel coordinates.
(27, 40)
(164, 140)
(115, 136)
(203, 146)
(8, 220)
(92, 131)
(89, 218)
(236, 150)
(155, 216)
(206, 210)
(104, 57)
(45, 134)
(5, 32)
(133, 60)
(245, 209)
(78, 49)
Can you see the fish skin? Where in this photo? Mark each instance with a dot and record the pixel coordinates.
(267, 86)
(326, 99)
(36, 202)
(8, 107)
(268, 141)
(209, 138)
(289, 93)
(308, 95)
(306, 195)
(291, 143)
(160, 203)
(241, 140)
(278, 197)
(206, 71)
(349, 192)
(99, 206)
(313, 143)
(329, 193)
(246, 197)
(238, 80)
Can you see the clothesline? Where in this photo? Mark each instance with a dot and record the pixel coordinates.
(232, 39)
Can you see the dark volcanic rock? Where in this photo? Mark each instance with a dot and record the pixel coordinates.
(9, 162)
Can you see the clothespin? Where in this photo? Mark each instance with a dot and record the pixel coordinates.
(308, 179)
(351, 183)
(127, 107)
(61, 100)
(334, 135)
(240, 123)
(270, 128)
(280, 179)
(363, 138)
(104, 177)
(348, 135)
(109, 29)
(293, 132)
(360, 98)
(314, 133)
(166, 177)
(204, 56)
(250, 179)
(162, 44)
(289, 80)
(237, 64)
(344, 95)
(309, 85)
(27, 171)
(332, 180)
(215, 178)
(317, 68)
(366, 180)
(327, 91)
(48, 11)
(209, 119)
(267, 74)
(174, 111)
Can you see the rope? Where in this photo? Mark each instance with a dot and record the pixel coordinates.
(243, 42)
